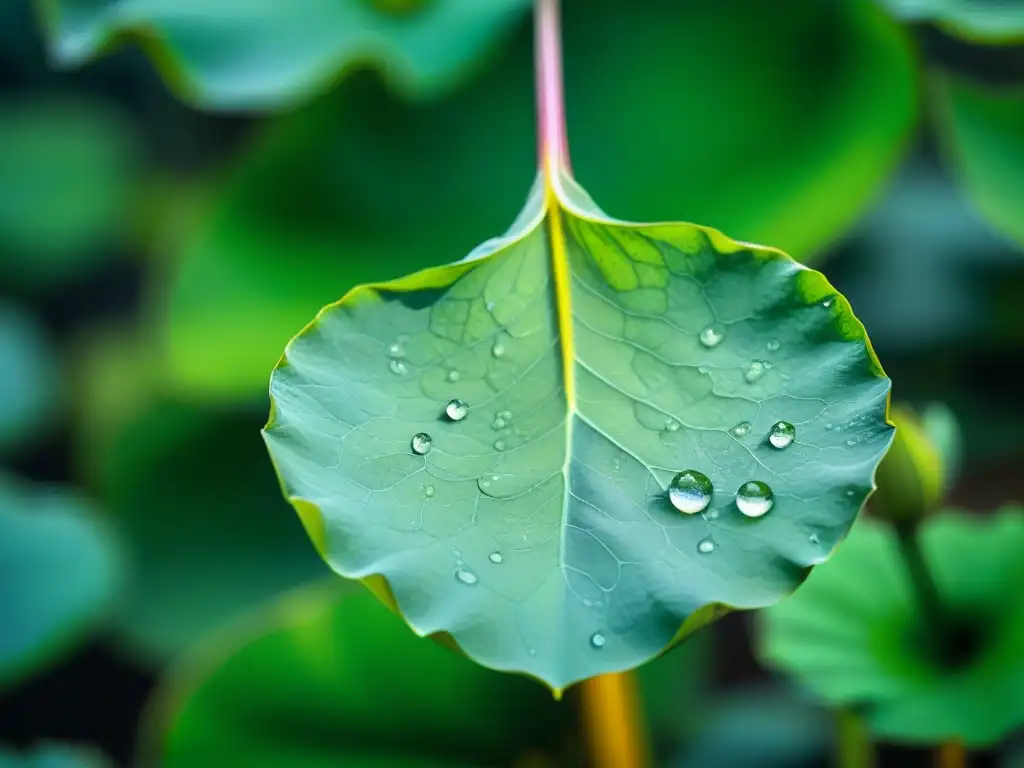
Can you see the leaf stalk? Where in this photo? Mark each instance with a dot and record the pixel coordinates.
(552, 139)
(933, 612)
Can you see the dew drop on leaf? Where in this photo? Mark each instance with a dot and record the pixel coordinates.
(773, 345)
(712, 335)
(742, 429)
(466, 577)
(498, 350)
(813, 538)
(454, 375)
(395, 350)
(706, 547)
(428, 491)
(782, 434)
(754, 372)
(422, 443)
(755, 498)
(690, 491)
(496, 557)
(499, 445)
(671, 425)
(456, 410)
(397, 366)
(597, 640)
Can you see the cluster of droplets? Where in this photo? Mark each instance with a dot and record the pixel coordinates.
(396, 360)
(713, 335)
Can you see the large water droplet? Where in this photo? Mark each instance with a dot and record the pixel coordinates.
(773, 345)
(397, 366)
(428, 491)
(712, 335)
(706, 547)
(597, 640)
(742, 429)
(456, 410)
(496, 557)
(755, 498)
(690, 491)
(754, 372)
(466, 577)
(782, 434)
(454, 375)
(422, 443)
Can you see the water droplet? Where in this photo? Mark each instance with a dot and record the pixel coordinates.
(490, 306)
(395, 350)
(422, 443)
(597, 640)
(466, 577)
(829, 426)
(496, 557)
(498, 349)
(428, 491)
(767, 365)
(773, 345)
(827, 303)
(456, 410)
(506, 415)
(712, 514)
(849, 491)
(705, 547)
(742, 429)
(712, 335)
(498, 423)
(813, 538)
(851, 442)
(499, 445)
(782, 434)
(690, 491)
(754, 372)
(755, 498)
(672, 425)
(453, 375)
(616, 464)
(397, 366)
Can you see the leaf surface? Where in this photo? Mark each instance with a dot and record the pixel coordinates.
(537, 530)
(334, 195)
(245, 54)
(852, 633)
(984, 139)
(336, 679)
(61, 570)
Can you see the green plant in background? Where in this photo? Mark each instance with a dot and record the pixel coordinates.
(407, 140)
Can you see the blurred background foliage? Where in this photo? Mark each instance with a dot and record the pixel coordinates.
(183, 190)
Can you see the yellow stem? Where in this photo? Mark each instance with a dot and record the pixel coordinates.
(951, 755)
(854, 748)
(612, 723)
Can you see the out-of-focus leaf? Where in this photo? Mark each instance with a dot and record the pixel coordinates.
(54, 755)
(981, 21)
(853, 635)
(264, 54)
(983, 132)
(672, 686)
(703, 111)
(60, 572)
(28, 386)
(943, 430)
(68, 170)
(199, 507)
(758, 727)
(910, 479)
(598, 359)
(330, 677)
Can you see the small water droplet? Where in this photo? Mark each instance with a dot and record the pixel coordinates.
(422, 443)
(395, 350)
(456, 410)
(829, 426)
(454, 375)
(767, 365)
(490, 306)
(703, 369)
(705, 547)
(742, 429)
(496, 557)
(498, 349)
(506, 415)
(754, 372)
(690, 491)
(499, 445)
(849, 491)
(616, 464)
(498, 423)
(782, 434)
(827, 303)
(597, 640)
(671, 425)
(712, 514)
(465, 576)
(773, 345)
(428, 491)
(851, 442)
(813, 538)
(755, 498)
(712, 335)
(397, 366)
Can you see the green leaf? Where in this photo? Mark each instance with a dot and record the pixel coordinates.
(68, 167)
(852, 634)
(60, 569)
(980, 21)
(264, 54)
(983, 132)
(206, 530)
(598, 359)
(329, 677)
(334, 195)
(29, 386)
(943, 430)
(54, 755)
